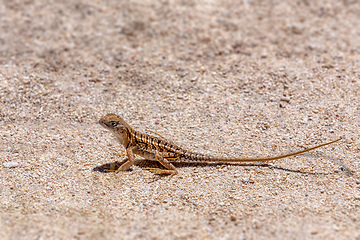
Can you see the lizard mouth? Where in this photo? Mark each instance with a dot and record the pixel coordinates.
(102, 123)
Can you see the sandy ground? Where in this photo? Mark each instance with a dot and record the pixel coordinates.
(229, 78)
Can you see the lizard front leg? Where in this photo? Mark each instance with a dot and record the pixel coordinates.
(170, 169)
(131, 159)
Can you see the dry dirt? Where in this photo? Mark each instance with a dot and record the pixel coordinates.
(231, 78)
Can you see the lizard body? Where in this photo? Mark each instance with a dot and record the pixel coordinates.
(165, 152)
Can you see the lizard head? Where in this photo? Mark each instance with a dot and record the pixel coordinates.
(116, 125)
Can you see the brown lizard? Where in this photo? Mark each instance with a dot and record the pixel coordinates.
(165, 152)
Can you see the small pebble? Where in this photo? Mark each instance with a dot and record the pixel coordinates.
(61, 161)
(236, 175)
(245, 179)
(10, 164)
(285, 99)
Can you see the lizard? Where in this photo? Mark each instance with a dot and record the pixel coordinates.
(165, 152)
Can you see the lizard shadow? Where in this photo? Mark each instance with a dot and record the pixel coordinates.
(109, 167)
(143, 163)
(113, 166)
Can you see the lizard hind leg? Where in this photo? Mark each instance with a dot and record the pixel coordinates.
(170, 169)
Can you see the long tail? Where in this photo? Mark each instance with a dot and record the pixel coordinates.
(200, 158)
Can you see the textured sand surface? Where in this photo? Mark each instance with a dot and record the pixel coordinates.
(229, 78)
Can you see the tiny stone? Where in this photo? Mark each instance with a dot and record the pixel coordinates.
(232, 218)
(285, 99)
(236, 175)
(245, 179)
(10, 164)
(314, 232)
(61, 162)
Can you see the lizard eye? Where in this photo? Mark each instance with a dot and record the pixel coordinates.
(113, 124)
